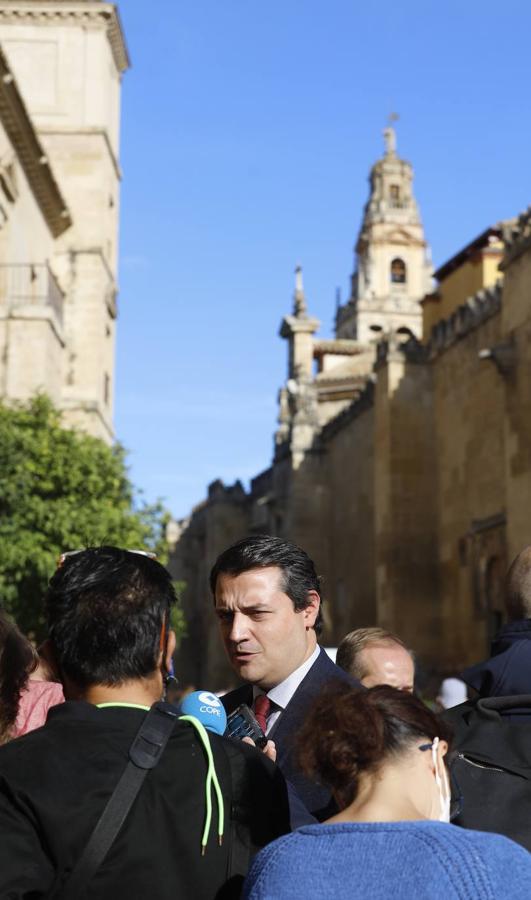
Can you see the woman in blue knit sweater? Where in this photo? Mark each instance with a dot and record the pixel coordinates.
(381, 751)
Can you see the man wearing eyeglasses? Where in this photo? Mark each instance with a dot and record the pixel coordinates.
(108, 617)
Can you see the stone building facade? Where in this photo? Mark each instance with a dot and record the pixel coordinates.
(402, 459)
(61, 64)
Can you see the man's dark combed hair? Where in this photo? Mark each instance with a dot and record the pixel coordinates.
(259, 551)
(106, 608)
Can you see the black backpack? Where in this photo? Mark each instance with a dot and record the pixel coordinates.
(491, 765)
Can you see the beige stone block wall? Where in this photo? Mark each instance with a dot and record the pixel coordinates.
(329, 409)
(24, 233)
(66, 73)
(67, 63)
(516, 324)
(87, 173)
(468, 407)
(404, 497)
(32, 333)
(89, 334)
(306, 504)
(348, 565)
(32, 357)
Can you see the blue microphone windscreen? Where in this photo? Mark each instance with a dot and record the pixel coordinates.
(207, 708)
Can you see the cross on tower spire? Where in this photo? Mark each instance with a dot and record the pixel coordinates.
(390, 135)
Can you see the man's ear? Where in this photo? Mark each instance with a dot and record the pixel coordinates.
(170, 650)
(311, 611)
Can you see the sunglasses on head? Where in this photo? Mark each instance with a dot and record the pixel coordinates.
(69, 553)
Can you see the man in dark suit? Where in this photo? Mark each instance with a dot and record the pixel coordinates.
(267, 598)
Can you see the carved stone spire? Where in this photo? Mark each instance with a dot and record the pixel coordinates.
(299, 300)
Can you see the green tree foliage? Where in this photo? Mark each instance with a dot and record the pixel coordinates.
(60, 490)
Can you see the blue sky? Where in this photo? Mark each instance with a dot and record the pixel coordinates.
(248, 131)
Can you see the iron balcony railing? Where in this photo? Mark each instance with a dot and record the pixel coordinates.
(23, 284)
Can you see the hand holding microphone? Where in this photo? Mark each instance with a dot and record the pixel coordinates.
(209, 710)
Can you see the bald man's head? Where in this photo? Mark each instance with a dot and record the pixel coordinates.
(518, 586)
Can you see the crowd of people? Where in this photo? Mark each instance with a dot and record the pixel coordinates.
(310, 780)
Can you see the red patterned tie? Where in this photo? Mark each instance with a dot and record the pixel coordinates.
(262, 705)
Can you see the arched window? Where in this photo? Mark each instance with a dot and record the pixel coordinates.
(394, 195)
(398, 271)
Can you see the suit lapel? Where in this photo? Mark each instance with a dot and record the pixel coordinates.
(292, 716)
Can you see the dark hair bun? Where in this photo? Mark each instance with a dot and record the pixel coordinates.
(352, 731)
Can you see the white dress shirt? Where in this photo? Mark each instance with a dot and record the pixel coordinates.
(282, 693)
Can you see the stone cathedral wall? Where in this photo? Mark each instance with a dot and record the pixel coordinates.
(346, 562)
(468, 402)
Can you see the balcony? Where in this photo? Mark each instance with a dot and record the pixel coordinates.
(28, 284)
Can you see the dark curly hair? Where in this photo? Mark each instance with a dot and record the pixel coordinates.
(17, 661)
(349, 732)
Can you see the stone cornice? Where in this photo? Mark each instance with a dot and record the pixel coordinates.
(86, 12)
(30, 152)
(339, 347)
(327, 379)
(298, 325)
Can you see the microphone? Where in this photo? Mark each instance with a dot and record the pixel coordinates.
(207, 708)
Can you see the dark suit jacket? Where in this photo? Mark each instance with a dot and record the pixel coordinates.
(316, 798)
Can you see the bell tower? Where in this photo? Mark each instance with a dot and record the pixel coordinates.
(392, 261)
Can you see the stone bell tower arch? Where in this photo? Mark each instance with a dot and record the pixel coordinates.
(392, 271)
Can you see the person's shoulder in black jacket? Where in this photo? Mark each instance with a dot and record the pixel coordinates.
(55, 781)
(108, 617)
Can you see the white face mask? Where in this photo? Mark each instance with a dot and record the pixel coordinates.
(442, 784)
